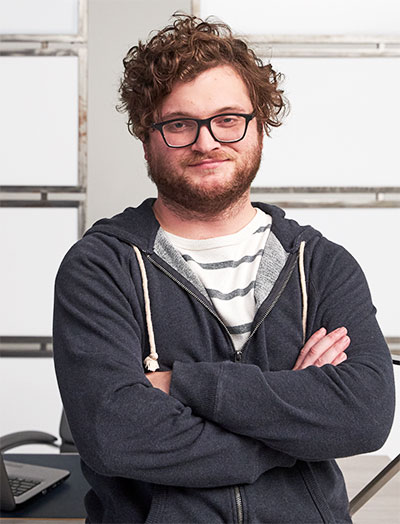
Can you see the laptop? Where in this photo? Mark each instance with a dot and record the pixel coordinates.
(21, 482)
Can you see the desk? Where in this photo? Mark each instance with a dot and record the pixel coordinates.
(63, 503)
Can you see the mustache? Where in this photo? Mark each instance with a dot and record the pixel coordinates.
(195, 158)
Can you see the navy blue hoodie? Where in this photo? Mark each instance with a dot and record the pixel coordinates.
(237, 440)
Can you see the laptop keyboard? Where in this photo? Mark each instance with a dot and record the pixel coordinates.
(20, 486)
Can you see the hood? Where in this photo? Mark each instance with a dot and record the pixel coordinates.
(138, 226)
(135, 225)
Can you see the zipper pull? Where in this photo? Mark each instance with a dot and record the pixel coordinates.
(238, 355)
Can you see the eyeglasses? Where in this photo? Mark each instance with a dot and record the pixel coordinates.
(225, 128)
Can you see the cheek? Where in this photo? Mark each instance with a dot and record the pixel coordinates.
(257, 137)
(166, 158)
(253, 140)
(154, 145)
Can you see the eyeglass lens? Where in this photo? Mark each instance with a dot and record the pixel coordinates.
(225, 128)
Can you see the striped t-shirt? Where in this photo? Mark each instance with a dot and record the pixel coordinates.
(227, 266)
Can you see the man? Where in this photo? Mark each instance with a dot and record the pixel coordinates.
(180, 326)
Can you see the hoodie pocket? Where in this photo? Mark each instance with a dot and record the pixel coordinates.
(281, 495)
(157, 505)
(173, 505)
(315, 492)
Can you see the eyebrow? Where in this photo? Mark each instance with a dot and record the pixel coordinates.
(222, 110)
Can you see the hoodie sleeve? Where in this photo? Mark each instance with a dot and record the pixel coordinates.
(121, 424)
(320, 412)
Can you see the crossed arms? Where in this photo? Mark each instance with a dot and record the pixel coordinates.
(320, 349)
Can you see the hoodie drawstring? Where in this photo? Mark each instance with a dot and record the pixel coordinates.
(303, 289)
(150, 362)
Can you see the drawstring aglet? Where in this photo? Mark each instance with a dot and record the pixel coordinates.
(150, 363)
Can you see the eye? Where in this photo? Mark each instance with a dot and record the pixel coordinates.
(179, 126)
(226, 121)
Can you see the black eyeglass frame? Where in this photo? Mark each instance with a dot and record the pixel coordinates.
(204, 122)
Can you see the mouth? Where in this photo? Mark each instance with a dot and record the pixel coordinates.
(209, 163)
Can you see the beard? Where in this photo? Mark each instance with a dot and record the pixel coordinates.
(192, 200)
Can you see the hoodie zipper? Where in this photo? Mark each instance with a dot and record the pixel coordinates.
(239, 504)
(238, 354)
(238, 358)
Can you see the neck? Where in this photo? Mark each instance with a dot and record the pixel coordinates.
(188, 224)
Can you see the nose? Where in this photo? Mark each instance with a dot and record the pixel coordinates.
(205, 142)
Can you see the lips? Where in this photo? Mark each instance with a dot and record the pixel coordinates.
(208, 163)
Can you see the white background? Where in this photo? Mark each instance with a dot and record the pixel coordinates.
(39, 16)
(315, 17)
(39, 120)
(34, 241)
(343, 124)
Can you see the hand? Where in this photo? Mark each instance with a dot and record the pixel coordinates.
(160, 380)
(322, 348)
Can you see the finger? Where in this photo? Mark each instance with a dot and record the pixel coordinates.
(339, 359)
(321, 347)
(333, 352)
(315, 337)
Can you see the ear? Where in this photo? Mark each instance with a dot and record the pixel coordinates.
(145, 150)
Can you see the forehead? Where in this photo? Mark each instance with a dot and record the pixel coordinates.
(213, 90)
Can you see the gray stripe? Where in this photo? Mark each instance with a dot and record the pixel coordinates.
(240, 330)
(262, 229)
(226, 263)
(271, 264)
(164, 249)
(214, 293)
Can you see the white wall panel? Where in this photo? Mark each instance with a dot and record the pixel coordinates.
(33, 242)
(38, 16)
(308, 16)
(29, 399)
(371, 236)
(342, 129)
(39, 120)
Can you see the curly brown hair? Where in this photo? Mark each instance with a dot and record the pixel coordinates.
(180, 52)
